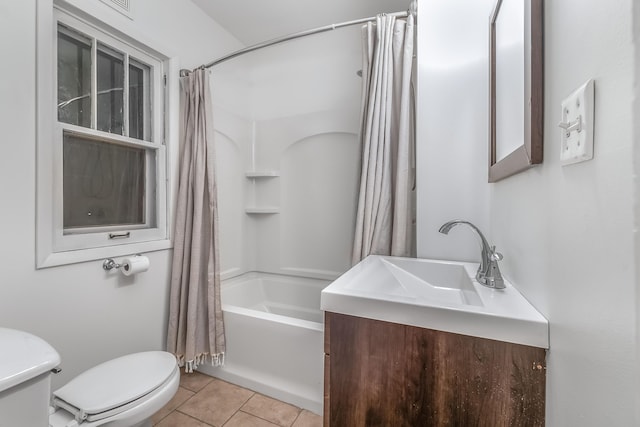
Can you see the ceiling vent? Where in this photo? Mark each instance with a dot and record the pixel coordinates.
(123, 6)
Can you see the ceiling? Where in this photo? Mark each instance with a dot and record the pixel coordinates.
(255, 21)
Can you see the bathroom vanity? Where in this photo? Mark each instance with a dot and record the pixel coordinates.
(420, 343)
(385, 374)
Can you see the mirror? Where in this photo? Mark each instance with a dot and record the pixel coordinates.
(515, 87)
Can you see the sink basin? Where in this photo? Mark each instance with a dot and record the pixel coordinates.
(436, 282)
(434, 294)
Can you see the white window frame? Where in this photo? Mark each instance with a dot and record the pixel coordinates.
(54, 246)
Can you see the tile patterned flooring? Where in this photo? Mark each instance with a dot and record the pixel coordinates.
(203, 401)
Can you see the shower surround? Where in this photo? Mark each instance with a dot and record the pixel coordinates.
(286, 123)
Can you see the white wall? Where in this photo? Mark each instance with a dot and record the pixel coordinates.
(88, 315)
(452, 126)
(293, 109)
(574, 225)
(566, 232)
(636, 188)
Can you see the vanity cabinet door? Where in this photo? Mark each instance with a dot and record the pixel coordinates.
(385, 374)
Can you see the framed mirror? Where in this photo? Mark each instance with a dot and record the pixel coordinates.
(515, 87)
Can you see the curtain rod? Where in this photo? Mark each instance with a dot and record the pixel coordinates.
(293, 36)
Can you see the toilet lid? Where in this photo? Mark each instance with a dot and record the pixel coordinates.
(113, 384)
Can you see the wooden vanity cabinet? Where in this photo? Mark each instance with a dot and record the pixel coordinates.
(390, 375)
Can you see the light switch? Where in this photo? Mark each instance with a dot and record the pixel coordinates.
(577, 125)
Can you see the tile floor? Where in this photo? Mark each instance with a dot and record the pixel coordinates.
(203, 401)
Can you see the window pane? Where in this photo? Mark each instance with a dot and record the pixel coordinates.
(110, 66)
(74, 78)
(139, 101)
(103, 183)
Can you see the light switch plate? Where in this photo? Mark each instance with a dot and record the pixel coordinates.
(577, 123)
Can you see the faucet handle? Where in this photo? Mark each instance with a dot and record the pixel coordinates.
(495, 256)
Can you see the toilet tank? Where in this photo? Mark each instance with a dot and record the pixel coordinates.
(25, 379)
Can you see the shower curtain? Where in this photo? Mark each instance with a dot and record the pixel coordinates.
(384, 216)
(196, 328)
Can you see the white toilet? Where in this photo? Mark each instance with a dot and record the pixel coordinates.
(123, 392)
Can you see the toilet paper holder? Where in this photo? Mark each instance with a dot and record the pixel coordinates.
(109, 264)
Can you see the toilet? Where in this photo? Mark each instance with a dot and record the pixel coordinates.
(122, 392)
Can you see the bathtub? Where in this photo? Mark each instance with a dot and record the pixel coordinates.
(274, 331)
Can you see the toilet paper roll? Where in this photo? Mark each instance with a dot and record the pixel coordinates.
(134, 265)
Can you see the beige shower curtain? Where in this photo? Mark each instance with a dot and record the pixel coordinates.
(196, 329)
(385, 213)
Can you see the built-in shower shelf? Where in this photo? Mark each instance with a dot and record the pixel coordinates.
(262, 211)
(262, 174)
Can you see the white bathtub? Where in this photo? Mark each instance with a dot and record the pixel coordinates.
(274, 331)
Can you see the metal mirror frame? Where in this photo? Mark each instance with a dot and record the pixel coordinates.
(531, 152)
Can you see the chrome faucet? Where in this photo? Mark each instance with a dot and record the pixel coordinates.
(488, 273)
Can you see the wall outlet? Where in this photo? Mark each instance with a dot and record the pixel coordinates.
(577, 125)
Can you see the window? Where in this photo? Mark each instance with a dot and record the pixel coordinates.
(108, 161)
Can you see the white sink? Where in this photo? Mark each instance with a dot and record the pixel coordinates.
(437, 282)
(440, 295)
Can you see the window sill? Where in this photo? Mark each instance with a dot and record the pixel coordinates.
(72, 257)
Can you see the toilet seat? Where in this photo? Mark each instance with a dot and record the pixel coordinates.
(115, 386)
